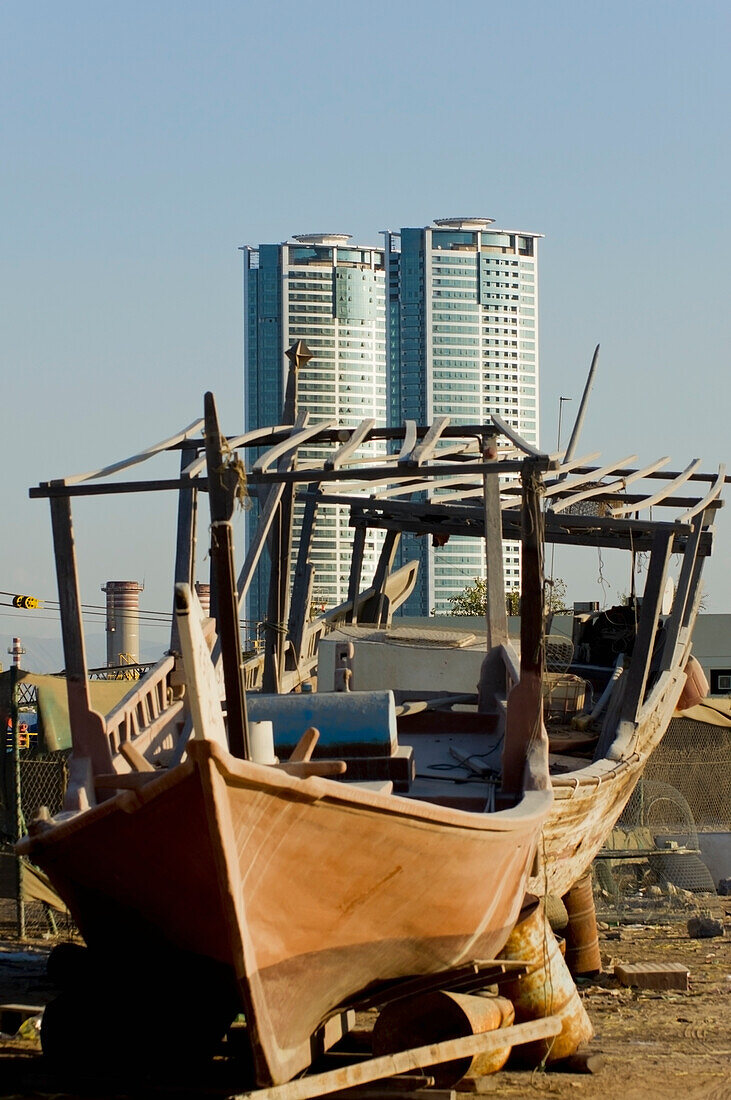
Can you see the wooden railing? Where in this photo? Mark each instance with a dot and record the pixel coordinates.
(146, 712)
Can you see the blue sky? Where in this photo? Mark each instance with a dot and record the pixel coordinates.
(143, 143)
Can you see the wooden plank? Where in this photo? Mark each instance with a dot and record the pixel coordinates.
(309, 471)
(712, 495)
(203, 692)
(661, 495)
(681, 607)
(423, 451)
(348, 448)
(517, 440)
(376, 609)
(388, 1065)
(382, 1092)
(300, 434)
(475, 975)
(611, 487)
(636, 675)
(409, 440)
(569, 485)
(125, 463)
(256, 545)
(305, 746)
(134, 757)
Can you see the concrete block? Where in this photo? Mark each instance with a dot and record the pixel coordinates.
(653, 975)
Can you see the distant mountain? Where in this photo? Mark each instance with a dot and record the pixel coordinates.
(46, 654)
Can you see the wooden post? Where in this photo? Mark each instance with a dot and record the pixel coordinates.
(684, 594)
(222, 483)
(302, 587)
(639, 665)
(378, 609)
(280, 540)
(495, 609)
(185, 543)
(17, 797)
(356, 568)
(524, 721)
(88, 734)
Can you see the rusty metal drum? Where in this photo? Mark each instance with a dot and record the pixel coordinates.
(546, 989)
(433, 1017)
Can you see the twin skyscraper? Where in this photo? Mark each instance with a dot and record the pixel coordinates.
(439, 320)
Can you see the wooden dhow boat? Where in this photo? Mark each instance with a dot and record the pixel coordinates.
(282, 889)
(623, 670)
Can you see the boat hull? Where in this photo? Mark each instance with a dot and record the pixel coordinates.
(589, 801)
(310, 891)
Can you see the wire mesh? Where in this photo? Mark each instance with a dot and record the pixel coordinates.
(42, 782)
(662, 860)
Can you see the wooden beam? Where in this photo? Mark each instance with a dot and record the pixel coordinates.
(356, 568)
(683, 595)
(662, 495)
(156, 448)
(376, 610)
(309, 471)
(183, 572)
(266, 517)
(88, 732)
(302, 584)
(710, 498)
(518, 441)
(280, 553)
(423, 451)
(611, 487)
(351, 446)
(639, 667)
(223, 480)
(301, 433)
(409, 440)
(134, 758)
(524, 720)
(496, 612)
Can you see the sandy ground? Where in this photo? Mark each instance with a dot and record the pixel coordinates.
(654, 1044)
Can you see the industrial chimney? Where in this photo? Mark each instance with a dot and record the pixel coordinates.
(123, 622)
(203, 591)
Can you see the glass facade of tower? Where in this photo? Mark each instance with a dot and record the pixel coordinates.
(463, 342)
(331, 294)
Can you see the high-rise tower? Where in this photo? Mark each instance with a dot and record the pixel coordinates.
(324, 290)
(463, 342)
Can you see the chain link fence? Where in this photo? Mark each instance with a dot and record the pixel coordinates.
(29, 779)
(672, 844)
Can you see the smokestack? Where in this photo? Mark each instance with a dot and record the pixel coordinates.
(203, 592)
(123, 622)
(16, 651)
